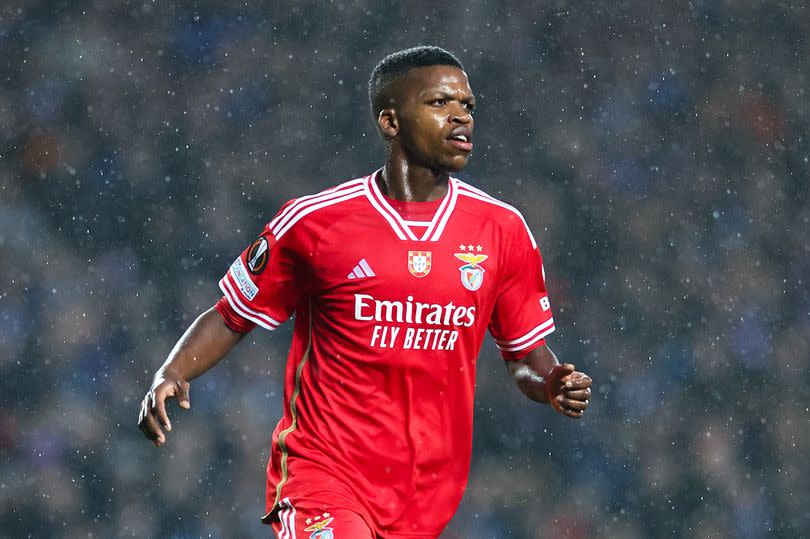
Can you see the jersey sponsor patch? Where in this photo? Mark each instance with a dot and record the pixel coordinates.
(419, 263)
(243, 281)
(257, 255)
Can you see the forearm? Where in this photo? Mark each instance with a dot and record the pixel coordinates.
(202, 346)
(531, 373)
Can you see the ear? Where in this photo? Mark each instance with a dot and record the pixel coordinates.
(388, 123)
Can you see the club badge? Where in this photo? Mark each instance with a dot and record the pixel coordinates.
(419, 263)
(317, 527)
(472, 274)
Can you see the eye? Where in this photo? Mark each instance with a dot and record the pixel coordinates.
(469, 106)
(439, 102)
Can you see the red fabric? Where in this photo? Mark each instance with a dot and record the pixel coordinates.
(414, 210)
(232, 318)
(381, 370)
(522, 314)
(320, 516)
(514, 356)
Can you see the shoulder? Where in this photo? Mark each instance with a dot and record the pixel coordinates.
(317, 208)
(474, 200)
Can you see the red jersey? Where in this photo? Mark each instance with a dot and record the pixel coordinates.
(392, 301)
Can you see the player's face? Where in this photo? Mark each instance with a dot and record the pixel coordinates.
(435, 117)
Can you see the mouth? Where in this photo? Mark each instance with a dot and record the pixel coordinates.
(461, 138)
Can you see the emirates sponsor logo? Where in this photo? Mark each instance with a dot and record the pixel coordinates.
(407, 320)
(368, 309)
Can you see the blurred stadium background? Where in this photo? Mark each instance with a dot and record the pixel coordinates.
(659, 150)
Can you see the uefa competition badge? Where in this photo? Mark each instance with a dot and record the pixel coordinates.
(257, 255)
(472, 275)
(419, 263)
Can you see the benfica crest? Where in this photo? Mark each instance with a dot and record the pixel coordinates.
(419, 263)
(472, 275)
(319, 529)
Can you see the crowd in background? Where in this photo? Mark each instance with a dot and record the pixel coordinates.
(658, 150)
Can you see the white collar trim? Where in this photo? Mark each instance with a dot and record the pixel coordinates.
(401, 228)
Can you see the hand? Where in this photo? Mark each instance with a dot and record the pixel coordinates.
(568, 390)
(153, 407)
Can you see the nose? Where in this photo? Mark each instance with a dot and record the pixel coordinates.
(462, 117)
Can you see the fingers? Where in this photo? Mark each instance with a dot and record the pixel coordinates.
(574, 402)
(159, 399)
(570, 407)
(153, 415)
(148, 424)
(179, 389)
(565, 370)
(559, 373)
(580, 395)
(569, 391)
(577, 380)
(184, 396)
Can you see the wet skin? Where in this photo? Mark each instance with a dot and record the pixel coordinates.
(422, 111)
(425, 110)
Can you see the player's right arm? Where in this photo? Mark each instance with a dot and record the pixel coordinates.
(202, 346)
(261, 287)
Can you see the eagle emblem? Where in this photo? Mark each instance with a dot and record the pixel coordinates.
(472, 274)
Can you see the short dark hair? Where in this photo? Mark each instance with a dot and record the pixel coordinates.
(398, 63)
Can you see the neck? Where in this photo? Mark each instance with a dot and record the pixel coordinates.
(405, 181)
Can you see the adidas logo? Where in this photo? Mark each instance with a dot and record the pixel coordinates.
(362, 269)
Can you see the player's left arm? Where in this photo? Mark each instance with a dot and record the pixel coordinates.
(543, 379)
(522, 318)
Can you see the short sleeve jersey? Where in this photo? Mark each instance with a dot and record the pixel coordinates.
(392, 301)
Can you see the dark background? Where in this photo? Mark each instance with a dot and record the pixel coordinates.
(658, 150)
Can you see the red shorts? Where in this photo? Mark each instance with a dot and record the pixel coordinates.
(305, 518)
